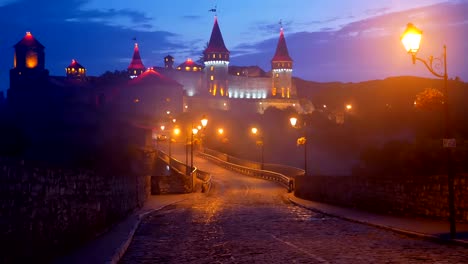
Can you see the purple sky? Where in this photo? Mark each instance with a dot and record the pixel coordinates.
(332, 40)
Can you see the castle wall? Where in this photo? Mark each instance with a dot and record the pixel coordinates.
(249, 87)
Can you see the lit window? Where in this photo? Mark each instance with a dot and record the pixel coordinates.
(136, 100)
(134, 72)
(212, 77)
(277, 75)
(166, 59)
(238, 74)
(214, 90)
(31, 59)
(178, 68)
(282, 92)
(273, 91)
(212, 68)
(221, 91)
(187, 68)
(195, 69)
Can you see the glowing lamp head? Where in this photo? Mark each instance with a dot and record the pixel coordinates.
(293, 121)
(411, 38)
(194, 131)
(176, 131)
(349, 107)
(220, 131)
(254, 130)
(204, 121)
(162, 128)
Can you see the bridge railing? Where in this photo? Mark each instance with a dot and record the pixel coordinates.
(285, 181)
(199, 177)
(279, 168)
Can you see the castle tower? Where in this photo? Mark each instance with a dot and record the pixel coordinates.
(169, 62)
(216, 59)
(136, 66)
(28, 63)
(281, 71)
(75, 71)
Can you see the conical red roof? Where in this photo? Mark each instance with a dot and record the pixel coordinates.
(29, 41)
(282, 53)
(216, 43)
(151, 76)
(136, 63)
(74, 64)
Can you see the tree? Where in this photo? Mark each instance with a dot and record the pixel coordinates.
(429, 99)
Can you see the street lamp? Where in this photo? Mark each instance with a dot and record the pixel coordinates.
(194, 132)
(411, 39)
(204, 123)
(300, 141)
(256, 132)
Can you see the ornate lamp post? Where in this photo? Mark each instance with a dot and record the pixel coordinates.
(255, 132)
(300, 141)
(204, 123)
(411, 39)
(194, 132)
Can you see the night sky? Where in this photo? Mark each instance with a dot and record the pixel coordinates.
(333, 40)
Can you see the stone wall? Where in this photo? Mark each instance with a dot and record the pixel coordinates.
(165, 180)
(417, 195)
(44, 212)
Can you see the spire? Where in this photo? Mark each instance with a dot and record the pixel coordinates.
(281, 54)
(136, 63)
(216, 44)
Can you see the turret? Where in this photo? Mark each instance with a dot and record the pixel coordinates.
(75, 70)
(28, 63)
(281, 69)
(136, 66)
(216, 60)
(169, 62)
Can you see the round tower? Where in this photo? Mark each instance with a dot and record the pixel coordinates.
(216, 60)
(281, 71)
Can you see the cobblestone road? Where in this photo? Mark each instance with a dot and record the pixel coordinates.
(247, 220)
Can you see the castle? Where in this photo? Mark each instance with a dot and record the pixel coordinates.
(154, 91)
(216, 85)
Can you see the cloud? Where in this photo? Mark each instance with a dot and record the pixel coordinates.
(369, 48)
(377, 11)
(191, 17)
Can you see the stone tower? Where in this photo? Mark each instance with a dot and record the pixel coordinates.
(169, 62)
(281, 71)
(216, 59)
(28, 63)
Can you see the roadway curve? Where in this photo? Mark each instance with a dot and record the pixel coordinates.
(248, 220)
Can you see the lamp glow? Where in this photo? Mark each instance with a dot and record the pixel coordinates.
(411, 38)
(293, 121)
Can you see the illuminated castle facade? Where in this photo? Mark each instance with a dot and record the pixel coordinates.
(220, 86)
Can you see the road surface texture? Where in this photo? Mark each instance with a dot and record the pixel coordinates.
(248, 220)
